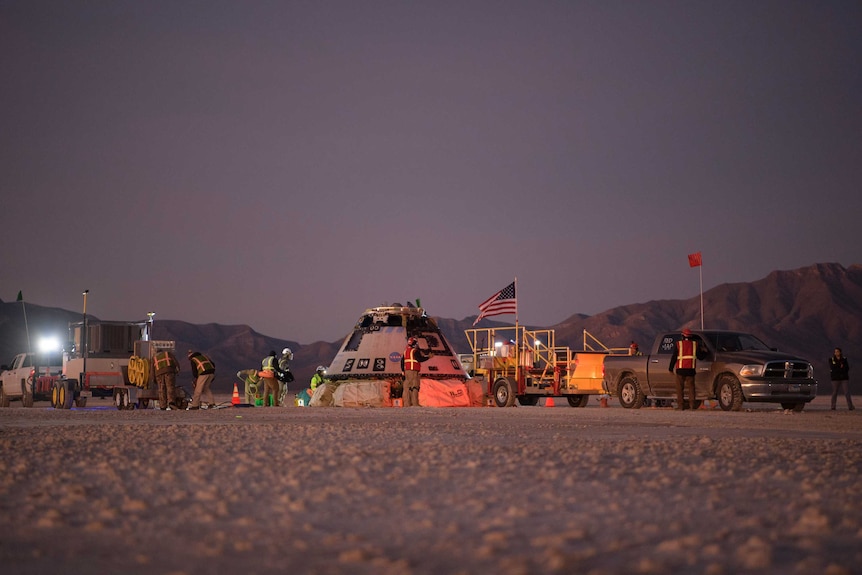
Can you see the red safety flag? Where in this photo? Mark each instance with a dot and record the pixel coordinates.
(504, 301)
(695, 260)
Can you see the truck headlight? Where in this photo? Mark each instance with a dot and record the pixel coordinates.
(751, 371)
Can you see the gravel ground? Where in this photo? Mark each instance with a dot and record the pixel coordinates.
(415, 491)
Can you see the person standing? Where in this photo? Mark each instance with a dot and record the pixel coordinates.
(412, 365)
(839, 373)
(268, 367)
(203, 372)
(166, 367)
(283, 373)
(684, 361)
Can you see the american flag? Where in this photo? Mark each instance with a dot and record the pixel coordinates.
(504, 301)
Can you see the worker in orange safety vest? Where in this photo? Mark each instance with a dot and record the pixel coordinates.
(684, 361)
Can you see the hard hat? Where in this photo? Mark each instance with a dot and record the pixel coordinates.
(320, 368)
(286, 351)
(412, 341)
(686, 332)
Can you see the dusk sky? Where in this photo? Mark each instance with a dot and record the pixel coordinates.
(289, 164)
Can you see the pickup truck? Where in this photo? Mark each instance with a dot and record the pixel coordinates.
(732, 367)
(17, 380)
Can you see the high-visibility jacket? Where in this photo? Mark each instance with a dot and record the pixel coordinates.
(316, 380)
(686, 354)
(165, 362)
(268, 364)
(201, 364)
(411, 359)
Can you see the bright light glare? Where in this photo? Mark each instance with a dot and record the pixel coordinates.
(48, 344)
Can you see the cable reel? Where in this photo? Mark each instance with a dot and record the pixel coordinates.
(139, 371)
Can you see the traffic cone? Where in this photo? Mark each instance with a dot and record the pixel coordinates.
(603, 401)
(549, 402)
(235, 399)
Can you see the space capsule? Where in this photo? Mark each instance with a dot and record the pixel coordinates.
(374, 348)
(372, 352)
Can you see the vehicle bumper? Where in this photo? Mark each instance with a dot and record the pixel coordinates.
(780, 391)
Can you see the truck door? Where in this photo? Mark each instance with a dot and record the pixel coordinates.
(662, 383)
(703, 377)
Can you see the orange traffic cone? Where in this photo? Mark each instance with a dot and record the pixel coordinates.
(603, 401)
(549, 402)
(235, 399)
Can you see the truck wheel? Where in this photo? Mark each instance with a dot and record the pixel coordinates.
(578, 400)
(729, 393)
(528, 399)
(27, 396)
(4, 399)
(630, 393)
(795, 406)
(504, 396)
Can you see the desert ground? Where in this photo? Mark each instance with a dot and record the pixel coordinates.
(425, 491)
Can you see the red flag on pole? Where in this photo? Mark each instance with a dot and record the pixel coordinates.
(695, 260)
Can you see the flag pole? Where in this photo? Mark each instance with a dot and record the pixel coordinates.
(26, 327)
(519, 339)
(700, 269)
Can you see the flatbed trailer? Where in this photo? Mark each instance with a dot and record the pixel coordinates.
(524, 365)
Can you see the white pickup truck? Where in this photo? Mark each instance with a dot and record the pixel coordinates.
(17, 380)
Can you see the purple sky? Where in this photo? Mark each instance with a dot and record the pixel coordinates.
(288, 164)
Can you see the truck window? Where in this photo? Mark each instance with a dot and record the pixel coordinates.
(668, 344)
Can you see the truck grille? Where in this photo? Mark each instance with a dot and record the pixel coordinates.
(787, 369)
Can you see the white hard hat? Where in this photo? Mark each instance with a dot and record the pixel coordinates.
(286, 351)
(320, 368)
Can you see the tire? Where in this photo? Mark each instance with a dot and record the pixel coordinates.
(65, 394)
(504, 395)
(55, 395)
(729, 393)
(794, 406)
(578, 400)
(528, 400)
(27, 396)
(4, 399)
(630, 393)
(120, 399)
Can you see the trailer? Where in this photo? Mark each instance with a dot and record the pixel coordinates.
(109, 358)
(516, 363)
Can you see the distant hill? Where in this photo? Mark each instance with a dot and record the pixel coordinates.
(807, 311)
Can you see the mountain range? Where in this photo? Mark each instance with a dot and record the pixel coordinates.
(806, 312)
